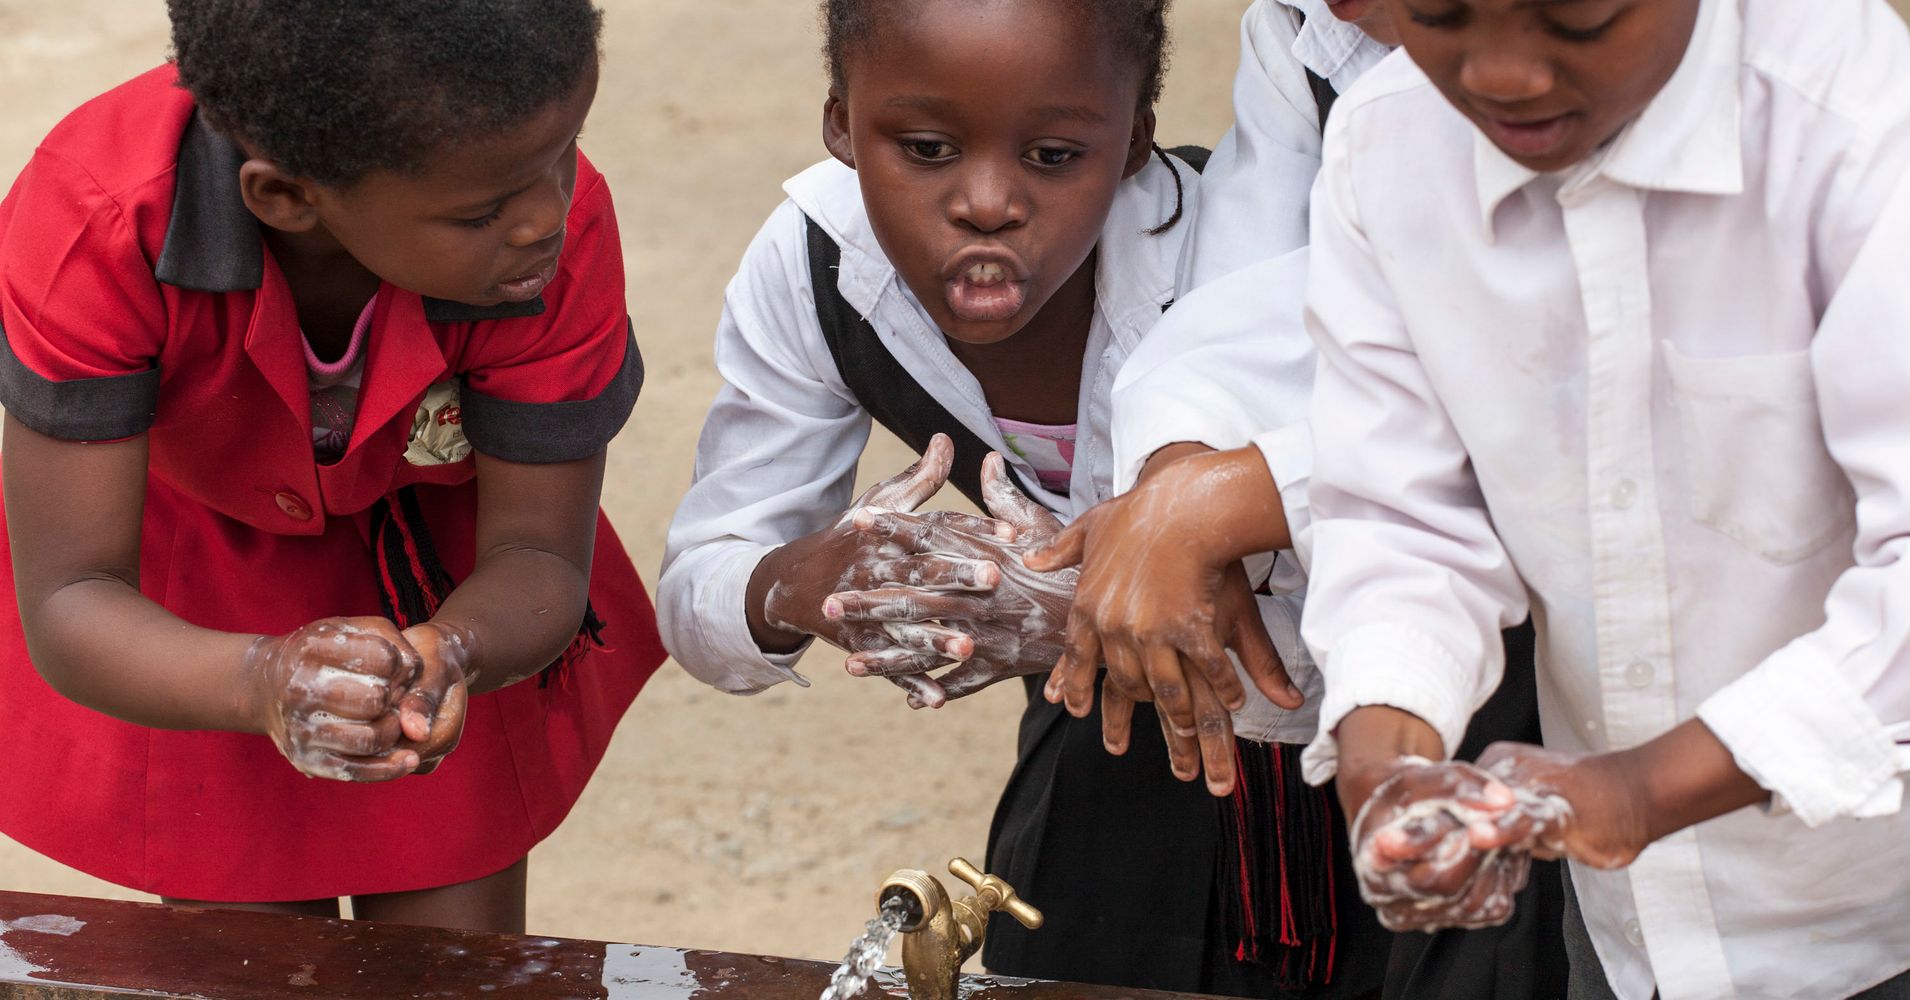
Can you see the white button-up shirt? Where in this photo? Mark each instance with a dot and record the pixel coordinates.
(777, 458)
(1663, 400)
(1232, 364)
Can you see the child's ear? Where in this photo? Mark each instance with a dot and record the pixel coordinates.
(835, 130)
(1141, 145)
(279, 199)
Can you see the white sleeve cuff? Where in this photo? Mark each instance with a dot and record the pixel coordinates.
(728, 658)
(1798, 730)
(1397, 666)
(1170, 420)
(1289, 455)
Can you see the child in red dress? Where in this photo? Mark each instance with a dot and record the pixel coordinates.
(313, 344)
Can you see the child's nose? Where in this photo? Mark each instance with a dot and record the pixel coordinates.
(1506, 73)
(541, 214)
(990, 197)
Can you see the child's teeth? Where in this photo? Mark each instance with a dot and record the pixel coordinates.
(985, 274)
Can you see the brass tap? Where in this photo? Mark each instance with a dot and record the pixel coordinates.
(938, 936)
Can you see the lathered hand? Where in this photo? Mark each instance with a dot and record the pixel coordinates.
(843, 557)
(1015, 626)
(432, 711)
(327, 696)
(1449, 845)
(1593, 806)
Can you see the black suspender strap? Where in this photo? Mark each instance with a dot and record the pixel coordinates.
(1195, 156)
(1323, 93)
(879, 382)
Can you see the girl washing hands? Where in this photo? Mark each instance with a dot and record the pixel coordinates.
(313, 343)
(994, 235)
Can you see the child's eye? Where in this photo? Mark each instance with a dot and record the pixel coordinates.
(480, 223)
(1053, 157)
(1449, 19)
(1571, 34)
(928, 149)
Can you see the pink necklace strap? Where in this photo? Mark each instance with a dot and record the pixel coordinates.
(325, 369)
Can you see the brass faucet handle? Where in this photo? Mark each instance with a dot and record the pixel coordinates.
(996, 894)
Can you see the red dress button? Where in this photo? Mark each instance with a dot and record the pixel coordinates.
(294, 506)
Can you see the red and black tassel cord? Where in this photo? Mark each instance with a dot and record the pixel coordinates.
(1276, 872)
(413, 582)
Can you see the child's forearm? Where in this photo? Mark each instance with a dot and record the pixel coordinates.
(516, 613)
(774, 637)
(99, 642)
(1685, 777)
(74, 515)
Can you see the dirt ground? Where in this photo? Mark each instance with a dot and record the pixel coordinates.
(757, 825)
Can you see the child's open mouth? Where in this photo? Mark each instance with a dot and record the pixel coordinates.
(985, 292)
(529, 286)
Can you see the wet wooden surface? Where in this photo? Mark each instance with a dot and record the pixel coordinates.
(65, 948)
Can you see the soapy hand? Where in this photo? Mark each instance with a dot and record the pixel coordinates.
(327, 696)
(1431, 847)
(1162, 602)
(1450, 845)
(847, 558)
(1599, 815)
(1015, 626)
(431, 713)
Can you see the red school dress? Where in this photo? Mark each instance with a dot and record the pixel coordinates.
(136, 295)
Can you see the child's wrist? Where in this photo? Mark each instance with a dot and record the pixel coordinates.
(254, 676)
(1374, 740)
(1168, 455)
(1234, 502)
(770, 605)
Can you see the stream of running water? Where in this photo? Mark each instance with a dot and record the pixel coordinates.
(867, 952)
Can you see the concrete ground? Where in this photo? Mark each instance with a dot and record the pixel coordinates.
(760, 825)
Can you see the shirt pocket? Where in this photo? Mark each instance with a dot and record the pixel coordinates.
(1755, 460)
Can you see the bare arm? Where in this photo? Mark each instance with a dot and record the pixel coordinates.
(73, 519)
(524, 599)
(323, 694)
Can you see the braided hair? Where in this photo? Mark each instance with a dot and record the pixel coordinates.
(1138, 27)
(335, 89)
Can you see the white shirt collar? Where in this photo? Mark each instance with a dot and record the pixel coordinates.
(1686, 139)
(1329, 46)
(1136, 274)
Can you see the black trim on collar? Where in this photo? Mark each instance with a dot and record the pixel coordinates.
(107, 408)
(447, 311)
(213, 242)
(542, 433)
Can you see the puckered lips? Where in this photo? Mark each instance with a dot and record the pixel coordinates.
(985, 285)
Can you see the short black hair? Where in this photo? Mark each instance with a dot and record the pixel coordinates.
(335, 89)
(1139, 27)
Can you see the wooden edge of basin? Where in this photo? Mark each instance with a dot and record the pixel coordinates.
(71, 948)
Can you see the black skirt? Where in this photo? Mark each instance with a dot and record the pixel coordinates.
(1121, 858)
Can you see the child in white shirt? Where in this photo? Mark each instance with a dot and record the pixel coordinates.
(1639, 380)
(1618, 338)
